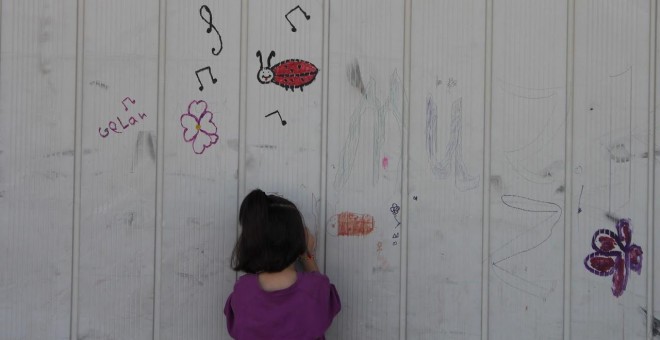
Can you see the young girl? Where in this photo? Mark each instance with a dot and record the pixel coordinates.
(273, 301)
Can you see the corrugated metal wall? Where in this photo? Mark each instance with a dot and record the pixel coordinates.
(481, 144)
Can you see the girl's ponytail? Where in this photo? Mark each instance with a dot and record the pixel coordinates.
(254, 210)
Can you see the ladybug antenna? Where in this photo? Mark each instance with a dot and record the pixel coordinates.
(270, 56)
(261, 61)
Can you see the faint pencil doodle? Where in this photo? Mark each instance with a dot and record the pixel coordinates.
(316, 211)
(655, 325)
(580, 200)
(619, 153)
(355, 77)
(528, 147)
(618, 140)
(145, 144)
(349, 150)
(454, 150)
(380, 111)
(396, 234)
(531, 238)
(451, 83)
(383, 264)
(656, 155)
(99, 84)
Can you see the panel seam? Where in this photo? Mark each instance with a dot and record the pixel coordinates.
(77, 169)
(650, 240)
(485, 238)
(324, 135)
(403, 256)
(160, 164)
(568, 166)
(242, 111)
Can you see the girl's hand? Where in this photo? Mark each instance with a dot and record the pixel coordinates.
(311, 242)
(308, 259)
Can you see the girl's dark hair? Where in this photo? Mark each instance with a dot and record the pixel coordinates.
(272, 236)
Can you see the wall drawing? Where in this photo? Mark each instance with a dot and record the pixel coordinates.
(380, 110)
(454, 150)
(290, 74)
(528, 149)
(615, 255)
(198, 126)
(286, 16)
(532, 237)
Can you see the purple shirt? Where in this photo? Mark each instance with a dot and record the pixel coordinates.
(303, 311)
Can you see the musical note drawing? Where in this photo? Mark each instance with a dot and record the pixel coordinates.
(293, 28)
(201, 86)
(278, 113)
(123, 102)
(211, 27)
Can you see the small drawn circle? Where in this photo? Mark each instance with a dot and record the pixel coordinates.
(332, 226)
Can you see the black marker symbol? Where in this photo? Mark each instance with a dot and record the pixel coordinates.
(293, 28)
(123, 102)
(206, 9)
(201, 87)
(278, 114)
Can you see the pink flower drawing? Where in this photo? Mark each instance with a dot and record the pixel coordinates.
(198, 126)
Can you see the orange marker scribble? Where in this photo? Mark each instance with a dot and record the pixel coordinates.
(352, 224)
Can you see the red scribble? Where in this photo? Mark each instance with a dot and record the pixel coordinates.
(385, 162)
(352, 224)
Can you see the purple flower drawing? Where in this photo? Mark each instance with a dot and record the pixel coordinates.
(198, 126)
(615, 255)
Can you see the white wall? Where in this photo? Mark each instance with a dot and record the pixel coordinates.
(486, 140)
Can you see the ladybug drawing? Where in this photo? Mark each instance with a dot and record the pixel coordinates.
(290, 74)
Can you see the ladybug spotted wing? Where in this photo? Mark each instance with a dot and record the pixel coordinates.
(294, 73)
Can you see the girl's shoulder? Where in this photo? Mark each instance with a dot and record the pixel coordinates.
(310, 282)
(247, 282)
(314, 277)
(314, 283)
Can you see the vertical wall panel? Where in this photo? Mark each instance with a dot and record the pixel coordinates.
(364, 166)
(200, 189)
(527, 170)
(37, 106)
(285, 159)
(610, 176)
(446, 162)
(656, 196)
(118, 171)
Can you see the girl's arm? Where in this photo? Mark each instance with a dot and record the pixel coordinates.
(308, 260)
